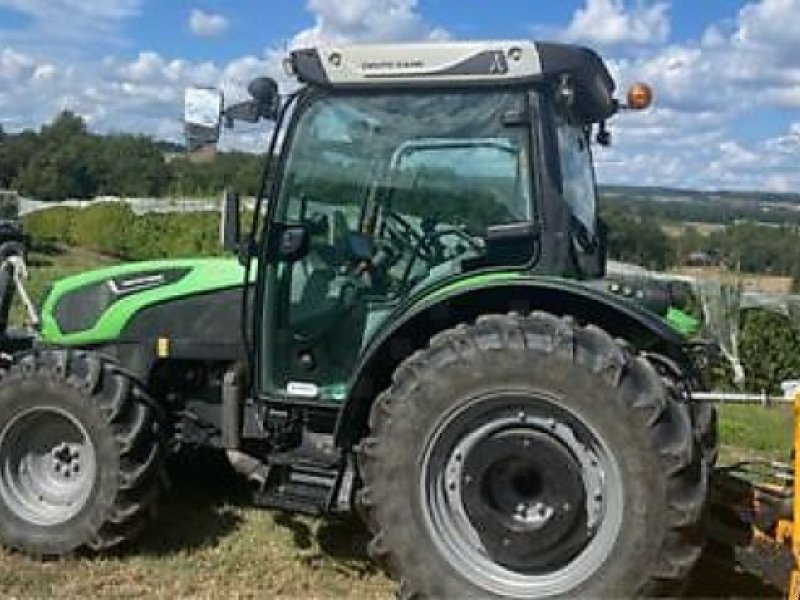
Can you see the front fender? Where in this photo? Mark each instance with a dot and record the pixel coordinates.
(468, 298)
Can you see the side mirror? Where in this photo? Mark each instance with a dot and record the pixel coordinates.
(230, 224)
(265, 103)
(202, 117)
(289, 243)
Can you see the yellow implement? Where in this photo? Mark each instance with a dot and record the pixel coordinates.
(794, 584)
(757, 504)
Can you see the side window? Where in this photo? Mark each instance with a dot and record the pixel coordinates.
(474, 183)
(577, 174)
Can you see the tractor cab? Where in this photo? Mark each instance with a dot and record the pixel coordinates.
(405, 168)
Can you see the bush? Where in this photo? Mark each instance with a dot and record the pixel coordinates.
(114, 229)
(770, 349)
(105, 228)
(51, 225)
(174, 235)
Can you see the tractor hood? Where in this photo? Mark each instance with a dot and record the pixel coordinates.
(96, 306)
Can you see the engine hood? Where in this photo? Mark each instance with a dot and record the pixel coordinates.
(95, 306)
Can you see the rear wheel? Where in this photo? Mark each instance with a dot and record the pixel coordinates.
(528, 457)
(80, 454)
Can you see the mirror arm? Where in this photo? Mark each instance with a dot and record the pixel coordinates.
(248, 111)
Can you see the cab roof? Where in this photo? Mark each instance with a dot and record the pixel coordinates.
(459, 64)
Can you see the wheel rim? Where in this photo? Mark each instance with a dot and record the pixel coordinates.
(520, 495)
(47, 466)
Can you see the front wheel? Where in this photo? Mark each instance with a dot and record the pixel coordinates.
(80, 454)
(528, 457)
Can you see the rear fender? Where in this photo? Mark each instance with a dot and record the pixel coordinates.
(450, 306)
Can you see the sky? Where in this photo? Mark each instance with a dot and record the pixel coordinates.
(726, 73)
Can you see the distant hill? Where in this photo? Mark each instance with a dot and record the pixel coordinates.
(705, 207)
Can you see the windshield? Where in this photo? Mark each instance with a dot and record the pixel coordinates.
(435, 162)
(398, 192)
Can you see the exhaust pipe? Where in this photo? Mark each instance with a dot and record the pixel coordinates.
(233, 392)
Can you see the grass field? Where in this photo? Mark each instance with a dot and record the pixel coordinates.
(208, 543)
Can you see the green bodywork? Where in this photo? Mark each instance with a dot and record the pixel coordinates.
(204, 275)
(680, 321)
(208, 275)
(683, 322)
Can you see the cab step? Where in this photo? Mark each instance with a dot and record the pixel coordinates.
(303, 481)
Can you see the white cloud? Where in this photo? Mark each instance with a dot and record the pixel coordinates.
(342, 21)
(608, 23)
(68, 25)
(203, 24)
(705, 88)
(707, 91)
(98, 9)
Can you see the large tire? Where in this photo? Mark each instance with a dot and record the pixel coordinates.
(605, 500)
(704, 414)
(707, 428)
(80, 454)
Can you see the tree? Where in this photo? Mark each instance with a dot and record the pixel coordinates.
(66, 127)
(64, 161)
(59, 173)
(638, 239)
(130, 166)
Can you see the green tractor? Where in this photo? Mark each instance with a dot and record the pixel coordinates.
(416, 328)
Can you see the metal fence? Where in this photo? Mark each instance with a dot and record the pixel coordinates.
(23, 206)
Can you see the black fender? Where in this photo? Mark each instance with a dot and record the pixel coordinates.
(412, 326)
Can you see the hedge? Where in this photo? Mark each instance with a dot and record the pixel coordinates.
(114, 229)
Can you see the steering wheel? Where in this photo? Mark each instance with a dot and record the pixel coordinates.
(434, 238)
(403, 234)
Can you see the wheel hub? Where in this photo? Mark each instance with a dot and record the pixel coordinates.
(47, 466)
(523, 491)
(520, 494)
(66, 460)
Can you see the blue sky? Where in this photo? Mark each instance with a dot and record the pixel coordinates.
(726, 73)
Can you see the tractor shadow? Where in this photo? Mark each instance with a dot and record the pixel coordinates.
(723, 573)
(199, 508)
(202, 507)
(340, 539)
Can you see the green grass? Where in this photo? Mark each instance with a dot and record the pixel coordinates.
(208, 542)
(756, 431)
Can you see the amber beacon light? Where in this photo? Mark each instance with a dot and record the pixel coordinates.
(640, 96)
